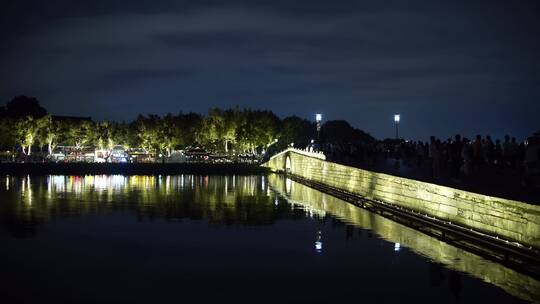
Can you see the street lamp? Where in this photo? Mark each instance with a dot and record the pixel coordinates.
(396, 121)
(318, 119)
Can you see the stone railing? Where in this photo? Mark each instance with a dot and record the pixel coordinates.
(305, 152)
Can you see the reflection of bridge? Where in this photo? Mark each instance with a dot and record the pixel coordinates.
(319, 203)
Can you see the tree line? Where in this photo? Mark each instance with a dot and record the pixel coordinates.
(26, 126)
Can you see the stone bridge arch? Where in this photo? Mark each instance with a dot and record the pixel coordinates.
(288, 163)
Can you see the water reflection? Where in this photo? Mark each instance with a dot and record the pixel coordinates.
(437, 251)
(223, 200)
(318, 242)
(28, 203)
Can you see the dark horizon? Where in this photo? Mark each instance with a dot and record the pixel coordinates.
(447, 68)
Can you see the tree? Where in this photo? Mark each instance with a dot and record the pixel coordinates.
(123, 134)
(339, 131)
(7, 133)
(296, 130)
(266, 125)
(211, 127)
(22, 106)
(258, 130)
(220, 127)
(48, 132)
(103, 135)
(189, 127)
(228, 129)
(168, 133)
(26, 133)
(24, 122)
(79, 133)
(148, 132)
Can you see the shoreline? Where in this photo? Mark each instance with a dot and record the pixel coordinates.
(80, 169)
(129, 168)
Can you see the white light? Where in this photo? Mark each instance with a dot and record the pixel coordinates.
(397, 246)
(318, 117)
(318, 246)
(312, 141)
(396, 117)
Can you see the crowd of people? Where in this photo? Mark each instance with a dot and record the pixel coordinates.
(455, 158)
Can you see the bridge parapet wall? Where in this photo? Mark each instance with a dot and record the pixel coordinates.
(509, 219)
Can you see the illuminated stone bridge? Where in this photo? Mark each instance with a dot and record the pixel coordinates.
(514, 221)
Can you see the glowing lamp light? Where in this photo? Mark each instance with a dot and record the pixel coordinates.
(318, 246)
(397, 246)
(396, 118)
(318, 117)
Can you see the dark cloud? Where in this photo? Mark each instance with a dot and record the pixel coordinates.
(459, 66)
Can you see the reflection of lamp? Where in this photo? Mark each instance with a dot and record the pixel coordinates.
(397, 246)
(318, 242)
(396, 121)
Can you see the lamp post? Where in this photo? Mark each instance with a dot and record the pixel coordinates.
(318, 119)
(396, 121)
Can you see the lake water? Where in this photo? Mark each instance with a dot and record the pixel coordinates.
(223, 239)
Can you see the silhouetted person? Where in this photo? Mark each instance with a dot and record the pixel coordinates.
(431, 145)
(436, 156)
(466, 155)
(513, 153)
(477, 156)
(455, 155)
(506, 149)
(489, 151)
(420, 154)
(498, 153)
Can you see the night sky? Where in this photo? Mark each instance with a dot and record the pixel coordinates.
(448, 67)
